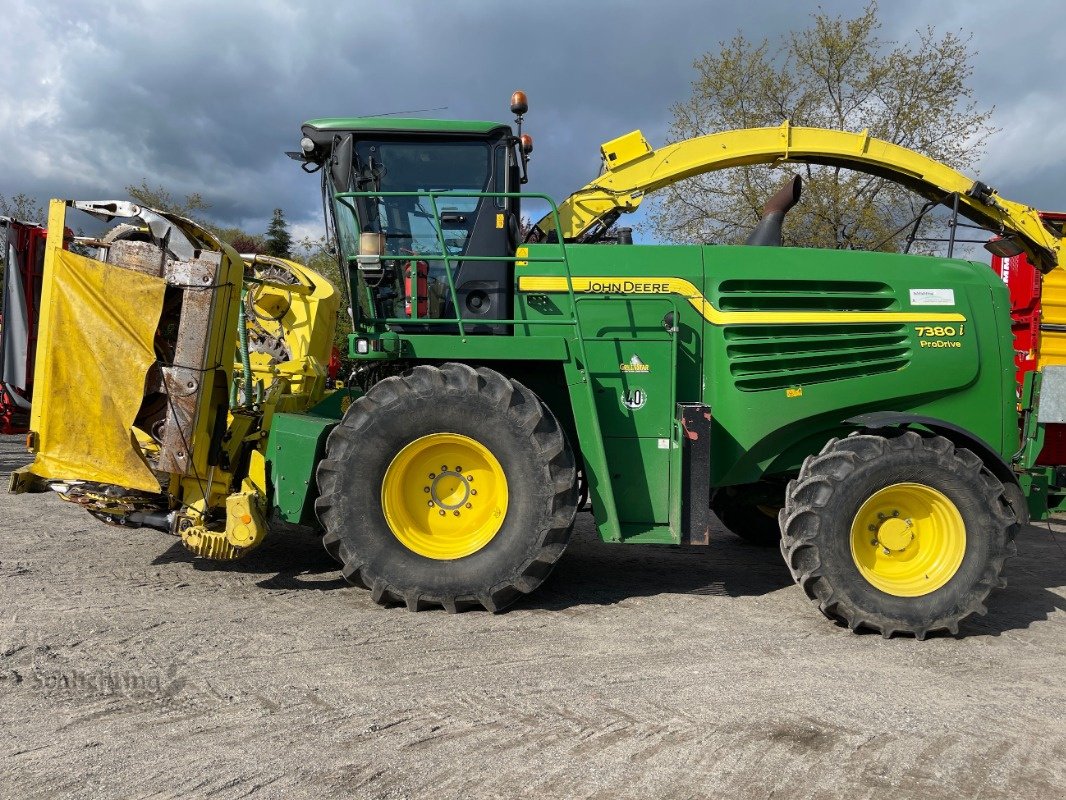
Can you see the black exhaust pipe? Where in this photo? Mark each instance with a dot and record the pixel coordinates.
(768, 231)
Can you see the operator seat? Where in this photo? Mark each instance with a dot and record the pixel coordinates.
(768, 232)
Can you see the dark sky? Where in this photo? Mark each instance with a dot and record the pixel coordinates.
(205, 96)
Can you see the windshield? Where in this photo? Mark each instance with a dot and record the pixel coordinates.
(422, 165)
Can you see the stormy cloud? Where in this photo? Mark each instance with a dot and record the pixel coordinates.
(205, 96)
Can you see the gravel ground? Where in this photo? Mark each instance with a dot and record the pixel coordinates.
(129, 670)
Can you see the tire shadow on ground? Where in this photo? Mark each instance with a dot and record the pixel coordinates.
(592, 572)
(1032, 577)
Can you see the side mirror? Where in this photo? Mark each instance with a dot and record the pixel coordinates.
(340, 164)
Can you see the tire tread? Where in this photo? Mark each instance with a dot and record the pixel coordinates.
(820, 477)
(522, 409)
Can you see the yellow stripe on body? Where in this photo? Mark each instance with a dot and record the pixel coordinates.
(679, 286)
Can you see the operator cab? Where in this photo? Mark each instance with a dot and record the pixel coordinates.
(404, 192)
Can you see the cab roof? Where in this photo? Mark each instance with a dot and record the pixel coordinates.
(401, 124)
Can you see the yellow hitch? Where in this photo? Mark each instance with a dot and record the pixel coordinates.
(245, 530)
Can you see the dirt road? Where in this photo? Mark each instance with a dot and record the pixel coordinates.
(129, 670)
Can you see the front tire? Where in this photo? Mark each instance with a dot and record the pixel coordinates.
(899, 535)
(449, 487)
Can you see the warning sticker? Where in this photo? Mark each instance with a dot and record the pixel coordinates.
(932, 297)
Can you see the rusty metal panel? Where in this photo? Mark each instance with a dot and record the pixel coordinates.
(185, 379)
(142, 257)
(200, 272)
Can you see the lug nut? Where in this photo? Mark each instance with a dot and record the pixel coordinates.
(432, 475)
(895, 513)
(473, 491)
(456, 513)
(458, 469)
(425, 489)
(443, 467)
(470, 477)
(469, 505)
(441, 512)
(886, 551)
(430, 504)
(871, 528)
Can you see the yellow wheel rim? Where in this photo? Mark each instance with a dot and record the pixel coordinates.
(444, 496)
(908, 539)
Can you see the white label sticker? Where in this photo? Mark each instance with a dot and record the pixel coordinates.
(664, 444)
(932, 297)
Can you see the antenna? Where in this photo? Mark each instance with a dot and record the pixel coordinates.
(411, 111)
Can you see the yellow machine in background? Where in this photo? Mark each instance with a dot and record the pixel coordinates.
(166, 301)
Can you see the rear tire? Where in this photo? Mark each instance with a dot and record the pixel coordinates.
(943, 551)
(745, 516)
(373, 514)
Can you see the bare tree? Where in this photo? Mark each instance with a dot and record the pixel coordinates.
(835, 74)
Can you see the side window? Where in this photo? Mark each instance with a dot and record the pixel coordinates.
(347, 226)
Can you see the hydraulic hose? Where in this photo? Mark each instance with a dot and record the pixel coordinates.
(246, 360)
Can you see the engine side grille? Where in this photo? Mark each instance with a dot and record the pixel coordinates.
(777, 356)
(805, 295)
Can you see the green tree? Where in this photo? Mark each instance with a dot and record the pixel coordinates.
(835, 74)
(193, 207)
(240, 240)
(278, 238)
(160, 198)
(23, 208)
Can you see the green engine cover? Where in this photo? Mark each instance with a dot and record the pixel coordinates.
(784, 345)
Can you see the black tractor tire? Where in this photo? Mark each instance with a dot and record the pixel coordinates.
(822, 502)
(501, 415)
(744, 516)
(1017, 502)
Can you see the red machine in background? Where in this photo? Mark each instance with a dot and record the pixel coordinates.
(23, 256)
(1030, 292)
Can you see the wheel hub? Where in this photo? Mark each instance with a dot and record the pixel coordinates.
(450, 489)
(895, 535)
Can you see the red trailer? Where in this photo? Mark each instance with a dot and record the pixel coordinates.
(1030, 292)
(23, 259)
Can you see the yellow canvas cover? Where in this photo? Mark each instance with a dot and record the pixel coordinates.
(94, 351)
